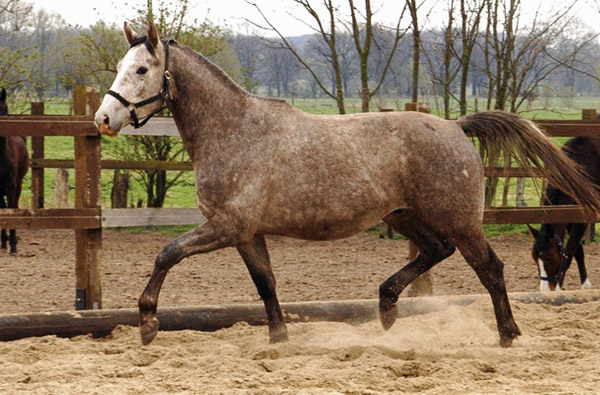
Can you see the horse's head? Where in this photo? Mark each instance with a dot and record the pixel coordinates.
(3, 105)
(548, 254)
(140, 87)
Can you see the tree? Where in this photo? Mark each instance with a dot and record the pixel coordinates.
(523, 57)
(444, 47)
(95, 57)
(45, 34)
(470, 12)
(326, 27)
(327, 30)
(248, 48)
(279, 68)
(413, 8)
(14, 47)
(362, 33)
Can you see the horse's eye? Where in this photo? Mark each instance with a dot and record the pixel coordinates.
(142, 70)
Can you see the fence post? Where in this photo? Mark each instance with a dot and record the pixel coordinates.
(61, 188)
(37, 152)
(87, 195)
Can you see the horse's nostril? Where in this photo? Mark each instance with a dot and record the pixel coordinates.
(105, 119)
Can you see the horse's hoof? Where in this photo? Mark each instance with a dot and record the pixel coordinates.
(388, 312)
(506, 340)
(278, 335)
(148, 330)
(586, 284)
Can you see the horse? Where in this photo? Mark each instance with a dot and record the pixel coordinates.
(263, 167)
(14, 162)
(552, 257)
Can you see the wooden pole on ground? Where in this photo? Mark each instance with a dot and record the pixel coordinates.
(87, 195)
(212, 318)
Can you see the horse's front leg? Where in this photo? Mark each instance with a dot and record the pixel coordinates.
(256, 257)
(205, 238)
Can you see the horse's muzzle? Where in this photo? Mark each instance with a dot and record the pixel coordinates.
(103, 126)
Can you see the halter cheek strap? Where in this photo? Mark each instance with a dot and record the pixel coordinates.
(162, 95)
(564, 262)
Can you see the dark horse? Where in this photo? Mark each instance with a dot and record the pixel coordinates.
(14, 162)
(551, 256)
(264, 167)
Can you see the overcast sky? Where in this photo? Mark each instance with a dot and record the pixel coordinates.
(232, 12)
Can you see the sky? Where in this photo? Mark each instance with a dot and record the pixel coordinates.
(232, 13)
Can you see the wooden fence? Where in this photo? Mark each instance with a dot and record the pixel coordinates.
(88, 219)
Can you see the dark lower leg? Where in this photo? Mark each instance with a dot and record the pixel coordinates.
(203, 239)
(580, 258)
(12, 240)
(256, 257)
(574, 249)
(490, 271)
(4, 237)
(432, 250)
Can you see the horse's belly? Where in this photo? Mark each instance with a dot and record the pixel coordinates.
(337, 221)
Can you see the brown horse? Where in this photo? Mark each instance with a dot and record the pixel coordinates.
(264, 167)
(14, 162)
(551, 256)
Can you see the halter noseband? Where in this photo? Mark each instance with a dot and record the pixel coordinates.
(564, 258)
(162, 95)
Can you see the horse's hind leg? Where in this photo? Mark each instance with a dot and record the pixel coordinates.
(490, 270)
(3, 235)
(12, 201)
(205, 238)
(432, 250)
(256, 257)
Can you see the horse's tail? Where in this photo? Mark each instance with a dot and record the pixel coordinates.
(531, 148)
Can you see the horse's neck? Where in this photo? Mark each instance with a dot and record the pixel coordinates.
(555, 197)
(208, 104)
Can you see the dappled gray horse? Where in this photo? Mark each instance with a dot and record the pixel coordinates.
(264, 167)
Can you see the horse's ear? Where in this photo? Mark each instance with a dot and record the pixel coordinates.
(130, 35)
(3, 95)
(533, 232)
(153, 34)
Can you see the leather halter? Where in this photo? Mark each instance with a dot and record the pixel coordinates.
(162, 95)
(564, 258)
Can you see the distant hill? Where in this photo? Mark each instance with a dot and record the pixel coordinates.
(299, 41)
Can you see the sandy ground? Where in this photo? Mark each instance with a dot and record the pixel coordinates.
(451, 351)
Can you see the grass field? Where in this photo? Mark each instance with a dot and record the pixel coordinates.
(183, 195)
